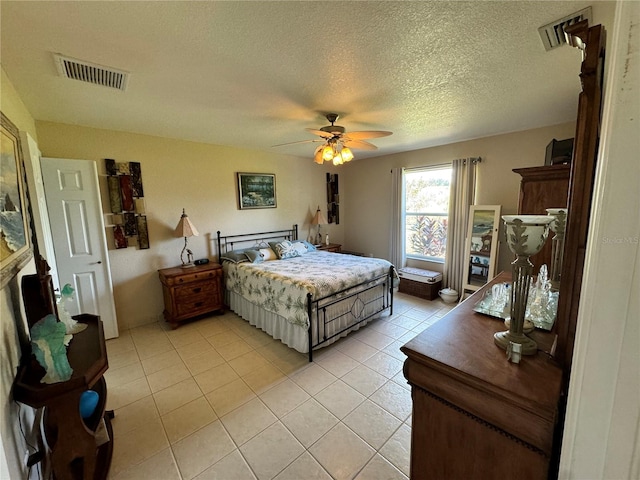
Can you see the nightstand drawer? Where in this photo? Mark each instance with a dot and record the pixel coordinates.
(197, 303)
(193, 277)
(201, 289)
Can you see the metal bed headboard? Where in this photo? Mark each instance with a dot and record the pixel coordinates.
(228, 243)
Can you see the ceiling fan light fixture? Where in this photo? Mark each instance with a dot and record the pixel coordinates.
(328, 152)
(347, 154)
(335, 138)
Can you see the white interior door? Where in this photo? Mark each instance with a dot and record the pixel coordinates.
(75, 214)
(31, 155)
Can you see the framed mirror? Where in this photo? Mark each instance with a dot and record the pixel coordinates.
(481, 248)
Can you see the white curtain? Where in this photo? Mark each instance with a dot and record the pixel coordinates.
(463, 189)
(396, 243)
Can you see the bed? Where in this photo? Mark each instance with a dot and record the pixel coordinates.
(302, 296)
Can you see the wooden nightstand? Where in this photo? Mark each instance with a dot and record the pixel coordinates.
(332, 247)
(189, 292)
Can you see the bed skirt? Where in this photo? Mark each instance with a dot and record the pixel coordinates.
(292, 335)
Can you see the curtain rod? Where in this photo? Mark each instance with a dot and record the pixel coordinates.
(474, 160)
(425, 167)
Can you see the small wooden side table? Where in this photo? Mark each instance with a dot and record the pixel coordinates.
(332, 247)
(189, 292)
(73, 440)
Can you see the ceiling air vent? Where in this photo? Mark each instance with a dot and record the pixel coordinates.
(91, 73)
(552, 34)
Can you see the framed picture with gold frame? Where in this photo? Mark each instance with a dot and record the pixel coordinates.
(15, 237)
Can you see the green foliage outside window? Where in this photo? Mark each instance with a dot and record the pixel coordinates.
(426, 212)
(427, 236)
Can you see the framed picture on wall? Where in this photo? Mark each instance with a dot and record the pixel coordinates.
(256, 190)
(15, 239)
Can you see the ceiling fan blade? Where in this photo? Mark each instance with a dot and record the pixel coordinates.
(360, 145)
(320, 133)
(295, 143)
(367, 134)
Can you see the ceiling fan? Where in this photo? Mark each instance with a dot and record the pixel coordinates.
(338, 142)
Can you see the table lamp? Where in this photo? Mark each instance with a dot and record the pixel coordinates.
(186, 229)
(319, 219)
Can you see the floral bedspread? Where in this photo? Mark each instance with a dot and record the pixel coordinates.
(281, 286)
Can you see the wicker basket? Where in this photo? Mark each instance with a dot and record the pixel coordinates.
(428, 291)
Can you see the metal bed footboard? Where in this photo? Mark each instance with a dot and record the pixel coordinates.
(359, 300)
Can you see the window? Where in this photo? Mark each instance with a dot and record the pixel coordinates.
(426, 212)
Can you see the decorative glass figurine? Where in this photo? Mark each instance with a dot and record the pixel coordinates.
(72, 325)
(542, 305)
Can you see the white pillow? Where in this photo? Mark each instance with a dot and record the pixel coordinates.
(286, 249)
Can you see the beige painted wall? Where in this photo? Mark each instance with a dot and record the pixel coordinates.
(367, 183)
(198, 177)
(11, 322)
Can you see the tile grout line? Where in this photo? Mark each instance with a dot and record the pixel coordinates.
(243, 333)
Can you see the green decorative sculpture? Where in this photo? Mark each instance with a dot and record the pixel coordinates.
(72, 325)
(48, 341)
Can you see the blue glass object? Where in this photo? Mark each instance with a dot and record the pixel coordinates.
(88, 403)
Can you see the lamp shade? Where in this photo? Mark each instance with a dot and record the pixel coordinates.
(347, 154)
(327, 152)
(185, 228)
(319, 218)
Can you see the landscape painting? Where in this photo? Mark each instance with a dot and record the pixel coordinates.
(256, 190)
(14, 241)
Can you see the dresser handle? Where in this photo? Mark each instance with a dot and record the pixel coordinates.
(198, 304)
(197, 290)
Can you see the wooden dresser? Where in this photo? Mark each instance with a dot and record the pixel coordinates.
(189, 292)
(476, 415)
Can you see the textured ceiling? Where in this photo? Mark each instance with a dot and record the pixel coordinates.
(256, 74)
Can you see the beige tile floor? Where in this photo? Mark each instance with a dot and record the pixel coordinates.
(220, 399)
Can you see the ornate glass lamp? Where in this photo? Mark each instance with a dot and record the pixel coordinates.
(526, 235)
(558, 227)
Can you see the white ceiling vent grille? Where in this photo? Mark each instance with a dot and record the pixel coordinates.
(552, 34)
(91, 73)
